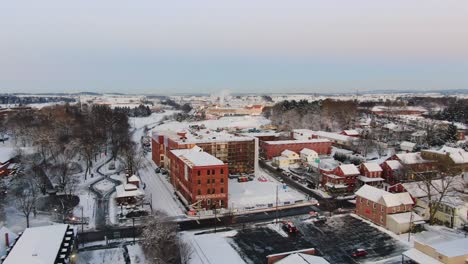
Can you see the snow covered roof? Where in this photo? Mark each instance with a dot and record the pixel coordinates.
(368, 179)
(6, 153)
(394, 164)
(288, 152)
(407, 145)
(333, 136)
(122, 193)
(349, 169)
(133, 178)
(372, 167)
(38, 245)
(383, 197)
(405, 218)
(301, 258)
(11, 236)
(307, 151)
(351, 132)
(420, 257)
(412, 158)
(200, 159)
(196, 157)
(458, 155)
(281, 142)
(454, 248)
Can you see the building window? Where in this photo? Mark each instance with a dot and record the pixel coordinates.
(374, 205)
(213, 172)
(199, 192)
(208, 201)
(222, 180)
(199, 182)
(213, 191)
(213, 181)
(208, 181)
(367, 202)
(222, 171)
(208, 191)
(222, 190)
(381, 208)
(394, 209)
(199, 173)
(208, 172)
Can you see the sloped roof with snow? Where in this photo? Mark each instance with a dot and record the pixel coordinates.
(407, 144)
(307, 151)
(394, 164)
(411, 158)
(133, 178)
(288, 152)
(6, 153)
(301, 258)
(405, 218)
(38, 245)
(121, 192)
(351, 132)
(372, 167)
(383, 197)
(349, 169)
(458, 155)
(458, 247)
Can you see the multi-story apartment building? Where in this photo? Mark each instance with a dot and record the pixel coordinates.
(200, 179)
(238, 152)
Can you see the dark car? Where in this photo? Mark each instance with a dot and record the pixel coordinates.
(289, 228)
(164, 171)
(157, 170)
(359, 253)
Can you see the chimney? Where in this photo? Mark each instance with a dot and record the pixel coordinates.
(7, 241)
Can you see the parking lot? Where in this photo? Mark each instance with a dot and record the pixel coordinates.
(335, 241)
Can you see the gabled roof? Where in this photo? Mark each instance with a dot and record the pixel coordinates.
(349, 169)
(351, 132)
(372, 167)
(394, 164)
(412, 158)
(133, 178)
(307, 151)
(288, 152)
(383, 197)
(301, 258)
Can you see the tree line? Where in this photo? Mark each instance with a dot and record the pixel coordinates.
(328, 115)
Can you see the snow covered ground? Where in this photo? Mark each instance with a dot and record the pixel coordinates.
(102, 256)
(259, 193)
(224, 122)
(212, 248)
(136, 254)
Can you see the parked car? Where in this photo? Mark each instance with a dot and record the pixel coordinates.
(290, 228)
(359, 253)
(163, 171)
(243, 179)
(157, 170)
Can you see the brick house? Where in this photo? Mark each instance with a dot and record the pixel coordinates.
(371, 173)
(392, 171)
(342, 180)
(200, 179)
(376, 205)
(413, 163)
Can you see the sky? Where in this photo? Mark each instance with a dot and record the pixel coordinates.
(245, 46)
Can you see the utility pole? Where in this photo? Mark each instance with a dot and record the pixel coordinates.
(82, 220)
(410, 225)
(133, 220)
(277, 204)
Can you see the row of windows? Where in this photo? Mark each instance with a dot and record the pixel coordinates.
(210, 191)
(208, 181)
(211, 172)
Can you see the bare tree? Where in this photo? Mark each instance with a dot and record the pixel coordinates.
(438, 187)
(161, 243)
(26, 196)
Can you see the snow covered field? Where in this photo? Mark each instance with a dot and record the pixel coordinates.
(103, 256)
(260, 192)
(212, 248)
(230, 122)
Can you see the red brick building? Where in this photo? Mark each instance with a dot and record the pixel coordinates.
(199, 178)
(392, 171)
(376, 204)
(412, 163)
(238, 152)
(371, 173)
(270, 149)
(343, 180)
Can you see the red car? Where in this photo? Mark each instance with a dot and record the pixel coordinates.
(359, 253)
(290, 228)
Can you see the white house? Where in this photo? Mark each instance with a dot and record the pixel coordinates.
(407, 146)
(308, 155)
